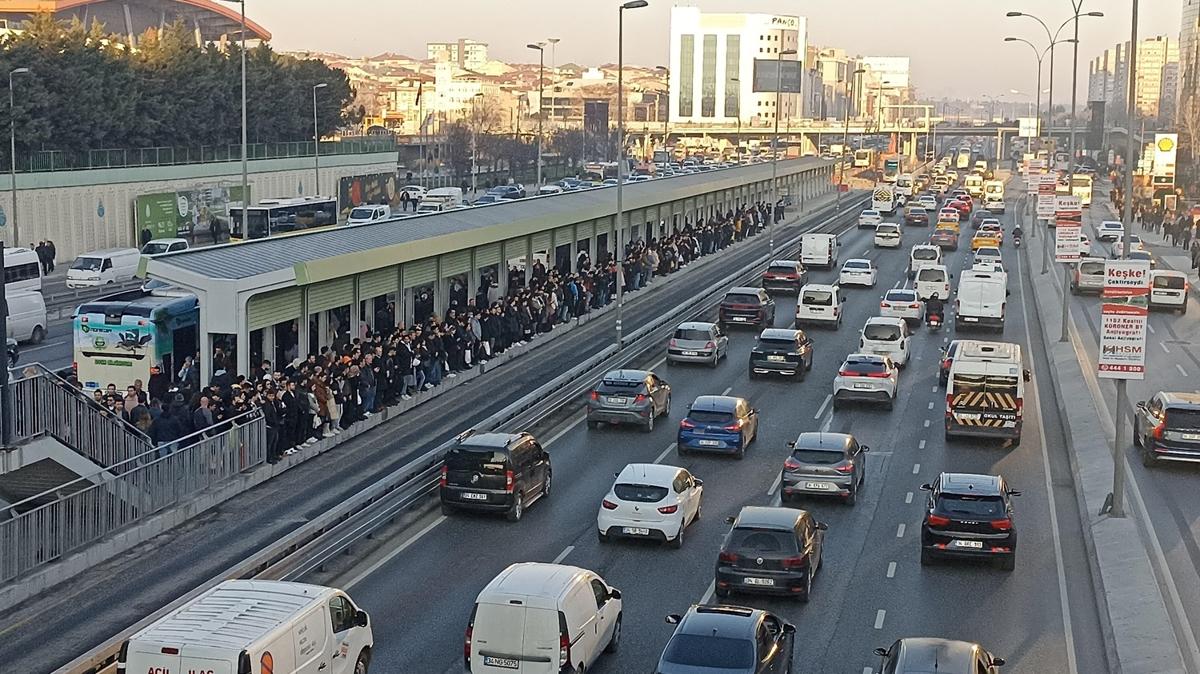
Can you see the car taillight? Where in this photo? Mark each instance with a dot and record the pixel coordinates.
(847, 373)
(878, 375)
(1159, 429)
(735, 426)
(883, 305)
(729, 557)
(508, 481)
(791, 464)
(938, 520)
(594, 395)
(710, 345)
(914, 306)
(467, 646)
(640, 398)
(669, 510)
(672, 343)
(608, 505)
(847, 469)
(687, 423)
(1002, 525)
(442, 481)
(564, 642)
(795, 562)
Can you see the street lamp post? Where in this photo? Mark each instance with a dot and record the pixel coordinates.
(775, 150)
(6, 399)
(474, 145)
(245, 171)
(1053, 38)
(1039, 55)
(846, 137)
(12, 157)
(667, 117)
(317, 142)
(541, 105)
(618, 221)
(738, 135)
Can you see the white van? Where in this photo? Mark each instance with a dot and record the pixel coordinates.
(441, 199)
(819, 250)
(368, 213)
(819, 303)
(1168, 290)
(981, 300)
(103, 267)
(886, 336)
(537, 618)
(255, 626)
(160, 246)
(22, 269)
(985, 390)
(26, 316)
(923, 255)
(933, 280)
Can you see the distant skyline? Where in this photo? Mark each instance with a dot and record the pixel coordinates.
(956, 46)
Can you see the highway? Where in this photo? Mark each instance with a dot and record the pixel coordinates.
(871, 590)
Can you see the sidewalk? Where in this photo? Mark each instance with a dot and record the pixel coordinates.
(1139, 631)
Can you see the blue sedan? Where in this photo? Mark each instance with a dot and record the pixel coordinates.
(721, 424)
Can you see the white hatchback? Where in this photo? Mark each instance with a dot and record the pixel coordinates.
(866, 377)
(869, 218)
(1109, 230)
(902, 303)
(858, 271)
(819, 303)
(650, 501)
(887, 235)
(886, 336)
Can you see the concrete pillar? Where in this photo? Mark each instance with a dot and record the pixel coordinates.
(441, 292)
(303, 346)
(242, 336)
(355, 307)
(502, 282)
(206, 352)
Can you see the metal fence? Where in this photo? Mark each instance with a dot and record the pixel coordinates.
(45, 404)
(140, 487)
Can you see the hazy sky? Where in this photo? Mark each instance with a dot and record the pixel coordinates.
(956, 46)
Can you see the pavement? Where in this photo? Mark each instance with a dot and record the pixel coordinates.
(420, 586)
(1148, 599)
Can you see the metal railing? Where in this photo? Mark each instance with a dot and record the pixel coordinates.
(58, 160)
(45, 404)
(133, 490)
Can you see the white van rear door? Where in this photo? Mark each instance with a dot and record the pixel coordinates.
(514, 639)
(159, 659)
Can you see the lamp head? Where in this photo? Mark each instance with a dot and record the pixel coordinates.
(322, 85)
(634, 4)
(1010, 39)
(1014, 14)
(1094, 14)
(538, 47)
(18, 71)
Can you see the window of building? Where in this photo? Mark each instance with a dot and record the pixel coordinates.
(708, 77)
(687, 74)
(733, 63)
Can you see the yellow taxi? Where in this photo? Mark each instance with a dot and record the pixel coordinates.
(951, 225)
(986, 238)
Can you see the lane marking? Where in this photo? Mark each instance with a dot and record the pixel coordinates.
(879, 615)
(908, 497)
(665, 453)
(712, 587)
(824, 404)
(891, 572)
(916, 468)
(1162, 345)
(726, 391)
(564, 430)
(563, 555)
(868, 670)
(926, 423)
(935, 389)
(900, 530)
(392, 555)
(1181, 370)
(931, 405)
(1150, 327)
(775, 484)
(921, 445)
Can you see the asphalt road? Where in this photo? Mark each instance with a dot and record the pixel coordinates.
(49, 631)
(1167, 492)
(871, 589)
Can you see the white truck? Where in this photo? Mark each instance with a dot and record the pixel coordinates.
(980, 300)
(883, 199)
(441, 199)
(819, 250)
(368, 213)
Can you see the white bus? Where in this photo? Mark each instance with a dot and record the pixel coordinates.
(277, 216)
(864, 158)
(22, 269)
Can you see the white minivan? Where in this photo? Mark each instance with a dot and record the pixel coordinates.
(819, 303)
(537, 618)
(248, 626)
(819, 250)
(103, 267)
(933, 280)
(26, 316)
(368, 213)
(1168, 290)
(923, 255)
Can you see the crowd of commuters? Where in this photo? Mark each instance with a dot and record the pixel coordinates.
(327, 391)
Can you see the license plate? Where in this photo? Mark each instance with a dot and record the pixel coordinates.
(863, 386)
(472, 496)
(710, 443)
(691, 353)
(506, 663)
(775, 359)
(1190, 436)
(618, 401)
(975, 545)
(818, 485)
(968, 416)
(635, 531)
(739, 319)
(759, 581)
(970, 319)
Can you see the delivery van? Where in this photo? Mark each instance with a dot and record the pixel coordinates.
(537, 618)
(441, 199)
(26, 316)
(923, 255)
(255, 627)
(103, 267)
(981, 300)
(819, 250)
(368, 213)
(933, 280)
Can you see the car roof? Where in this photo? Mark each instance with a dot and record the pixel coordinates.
(818, 286)
(1167, 272)
(784, 262)
(1180, 398)
(743, 290)
(694, 325)
(536, 584)
(715, 403)
(865, 357)
(779, 333)
(626, 375)
(887, 320)
(648, 473)
(859, 259)
(1112, 223)
(817, 440)
(721, 621)
(927, 654)
(970, 483)
(763, 517)
(490, 440)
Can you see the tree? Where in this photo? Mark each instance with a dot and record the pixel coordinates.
(458, 149)
(570, 144)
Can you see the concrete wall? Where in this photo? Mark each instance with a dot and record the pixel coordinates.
(82, 211)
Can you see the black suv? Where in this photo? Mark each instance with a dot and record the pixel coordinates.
(770, 551)
(969, 516)
(1167, 427)
(747, 306)
(494, 472)
(732, 639)
(781, 351)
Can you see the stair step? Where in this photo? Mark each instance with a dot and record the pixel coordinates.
(36, 478)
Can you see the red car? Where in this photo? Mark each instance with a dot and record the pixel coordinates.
(962, 206)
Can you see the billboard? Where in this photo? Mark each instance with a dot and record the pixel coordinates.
(770, 72)
(374, 188)
(1123, 314)
(1165, 147)
(183, 213)
(1068, 218)
(1027, 127)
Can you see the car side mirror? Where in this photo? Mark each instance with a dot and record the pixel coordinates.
(1026, 375)
(1014, 492)
(730, 519)
(789, 628)
(821, 526)
(864, 448)
(1141, 404)
(881, 652)
(360, 619)
(673, 619)
(1007, 292)
(926, 487)
(614, 593)
(792, 443)
(698, 482)
(997, 662)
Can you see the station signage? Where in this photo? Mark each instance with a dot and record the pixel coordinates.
(1124, 312)
(1068, 221)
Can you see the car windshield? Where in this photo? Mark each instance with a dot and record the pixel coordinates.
(154, 248)
(746, 540)
(692, 334)
(710, 416)
(781, 269)
(901, 296)
(738, 298)
(887, 229)
(931, 275)
(87, 264)
(621, 387)
(702, 650)
(857, 265)
(925, 254)
(966, 505)
(1169, 281)
(640, 493)
(823, 457)
(775, 343)
(1091, 268)
(361, 213)
(488, 461)
(864, 367)
(870, 214)
(818, 297)
(881, 332)
(916, 211)
(1183, 419)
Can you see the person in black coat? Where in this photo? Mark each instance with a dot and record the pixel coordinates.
(272, 415)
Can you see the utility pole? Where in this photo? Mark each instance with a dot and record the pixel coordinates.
(541, 105)
(619, 220)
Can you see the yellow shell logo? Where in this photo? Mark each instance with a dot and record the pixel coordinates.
(1166, 144)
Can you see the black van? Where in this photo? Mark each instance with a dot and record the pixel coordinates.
(494, 472)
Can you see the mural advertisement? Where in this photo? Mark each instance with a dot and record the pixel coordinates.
(186, 213)
(374, 188)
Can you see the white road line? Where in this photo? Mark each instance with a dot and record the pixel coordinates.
(935, 389)
(908, 497)
(827, 423)
(879, 615)
(666, 451)
(564, 430)
(726, 391)
(945, 340)
(563, 555)
(1064, 601)
(926, 423)
(1150, 327)
(868, 670)
(824, 404)
(1181, 370)
(900, 530)
(931, 405)
(916, 468)
(392, 555)
(775, 484)
(712, 587)
(1163, 346)
(921, 445)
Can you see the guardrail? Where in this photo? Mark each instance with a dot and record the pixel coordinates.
(336, 531)
(74, 297)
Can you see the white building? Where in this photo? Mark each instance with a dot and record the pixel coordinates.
(464, 53)
(712, 66)
(886, 82)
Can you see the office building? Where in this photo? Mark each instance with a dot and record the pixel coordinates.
(1188, 90)
(885, 84)
(464, 53)
(1156, 83)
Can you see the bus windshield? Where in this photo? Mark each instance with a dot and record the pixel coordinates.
(134, 335)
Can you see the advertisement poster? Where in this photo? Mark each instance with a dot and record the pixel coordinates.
(184, 213)
(1068, 220)
(1123, 315)
(1046, 200)
(375, 188)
